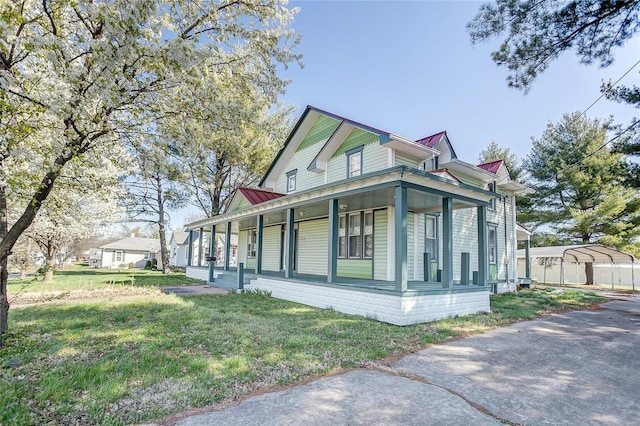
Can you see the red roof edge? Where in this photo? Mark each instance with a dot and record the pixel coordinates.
(491, 166)
(257, 196)
(432, 140)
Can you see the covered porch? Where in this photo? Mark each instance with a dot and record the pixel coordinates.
(357, 247)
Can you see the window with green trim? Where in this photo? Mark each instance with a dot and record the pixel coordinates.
(291, 180)
(492, 235)
(492, 203)
(355, 235)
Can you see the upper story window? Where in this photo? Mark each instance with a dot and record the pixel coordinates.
(354, 162)
(492, 187)
(291, 180)
(429, 164)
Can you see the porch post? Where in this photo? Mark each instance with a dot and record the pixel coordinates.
(401, 238)
(201, 233)
(483, 249)
(527, 259)
(447, 242)
(288, 272)
(212, 254)
(227, 247)
(259, 230)
(332, 267)
(190, 249)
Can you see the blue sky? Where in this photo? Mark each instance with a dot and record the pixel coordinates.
(409, 68)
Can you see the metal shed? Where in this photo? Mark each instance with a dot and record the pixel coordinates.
(585, 253)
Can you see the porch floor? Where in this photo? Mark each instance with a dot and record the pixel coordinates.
(228, 279)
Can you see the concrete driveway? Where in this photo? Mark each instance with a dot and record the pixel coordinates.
(577, 368)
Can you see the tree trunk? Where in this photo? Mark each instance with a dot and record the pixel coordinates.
(588, 271)
(48, 269)
(4, 273)
(164, 252)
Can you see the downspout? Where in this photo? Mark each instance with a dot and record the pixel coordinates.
(506, 240)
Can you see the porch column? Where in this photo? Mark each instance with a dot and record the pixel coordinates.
(447, 242)
(212, 254)
(259, 230)
(332, 267)
(190, 249)
(400, 212)
(288, 272)
(201, 233)
(527, 259)
(227, 247)
(483, 249)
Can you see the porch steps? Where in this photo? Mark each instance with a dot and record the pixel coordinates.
(228, 280)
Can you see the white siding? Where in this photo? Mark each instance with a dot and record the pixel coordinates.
(304, 178)
(242, 246)
(402, 160)
(337, 169)
(374, 158)
(380, 245)
(313, 247)
(271, 248)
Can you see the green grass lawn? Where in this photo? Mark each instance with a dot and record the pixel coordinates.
(127, 361)
(79, 281)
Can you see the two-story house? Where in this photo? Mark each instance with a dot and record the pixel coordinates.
(363, 221)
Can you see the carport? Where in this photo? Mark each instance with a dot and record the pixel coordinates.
(585, 253)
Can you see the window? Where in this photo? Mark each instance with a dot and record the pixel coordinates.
(354, 162)
(119, 256)
(368, 234)
(355, 235)
(291, 180)
(492, 187)
(355, 240)
(251, 243)
(342, 236)
(492, 231)
(431, 233)
(145, 256)
(429, 164)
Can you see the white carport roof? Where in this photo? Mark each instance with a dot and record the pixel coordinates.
(594, 253)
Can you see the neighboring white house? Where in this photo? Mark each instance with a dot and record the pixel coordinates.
(133, 252)
(179, 248)
(363, 221)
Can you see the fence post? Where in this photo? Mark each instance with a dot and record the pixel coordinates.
(240, 276)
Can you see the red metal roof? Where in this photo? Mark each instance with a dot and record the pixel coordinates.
(431, 141)
(257, 196)
(492, 166)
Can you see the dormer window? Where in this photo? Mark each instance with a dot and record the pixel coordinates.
(429, 164)
(291, 180)
(354, 162)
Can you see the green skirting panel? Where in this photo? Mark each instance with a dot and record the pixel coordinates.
(251, 263)
(355, 268)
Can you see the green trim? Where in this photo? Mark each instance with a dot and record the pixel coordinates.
(321, 130)
(356, 138)
(333, 241)
(401, 270)
(447, 242)
(212, 254)
(355, 268)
